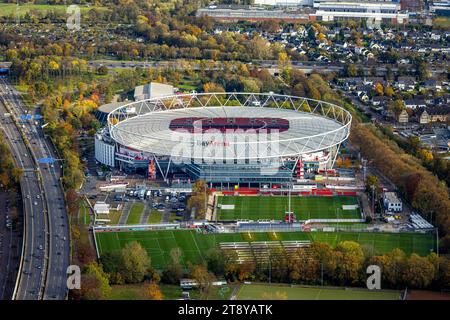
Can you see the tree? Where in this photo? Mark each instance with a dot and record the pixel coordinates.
(422, 71)
(215, 261)
(349, 261)
(418, 272)
(392, 265)
(112, 263)
(153, 292)
(304, 267)
(350, 70)
(372, 181)
(213, 87)
(174, 270)
(396, 107)
(379, 90)
(326, 257)
(283, 61)
(389, 91)
(135, 262)
(102, 70)
(202, 276)
(94, 283)
(198, 199)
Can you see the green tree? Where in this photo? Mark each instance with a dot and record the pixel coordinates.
(215, 261)
(174, 270)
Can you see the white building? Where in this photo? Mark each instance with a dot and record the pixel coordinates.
(375, 11)
(285, 3)
(392, 202)
(104, 149)
(101, 207)
(152, 90)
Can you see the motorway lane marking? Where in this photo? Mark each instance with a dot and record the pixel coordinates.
(10, 134)
(44, 149)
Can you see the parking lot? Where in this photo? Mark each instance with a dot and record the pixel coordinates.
(142, 206)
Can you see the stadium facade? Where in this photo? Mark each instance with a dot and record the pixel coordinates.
(227, 139)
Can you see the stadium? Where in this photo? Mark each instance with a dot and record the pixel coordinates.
(245, 139)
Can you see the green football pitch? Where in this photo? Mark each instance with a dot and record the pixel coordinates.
(194, 244)
(274, 207)
(279, 292)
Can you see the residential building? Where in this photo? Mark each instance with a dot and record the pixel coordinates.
(439, 113)
(362, 96)
(424, 117)
(403, 117)
(432, 84)
(415, 103)
(405, 83)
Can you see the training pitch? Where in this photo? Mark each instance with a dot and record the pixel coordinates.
(280, 292)
(275, 207)
(193, 244)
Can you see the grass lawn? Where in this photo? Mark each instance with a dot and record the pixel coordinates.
(10, 8)
(194, 244)
(84, 214)
(173, 216)
(170, 292)
(154, 217)
(274, 207)
(127, 292)
(135, 213)
(114, 215)
(280, 292)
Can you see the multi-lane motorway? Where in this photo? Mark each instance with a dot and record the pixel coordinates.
(46, 247)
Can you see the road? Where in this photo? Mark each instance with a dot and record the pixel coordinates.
(10, 247)
(33, 256)
(305, 66)
(58, 248)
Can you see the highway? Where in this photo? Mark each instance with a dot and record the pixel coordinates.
(35, 247)
(46, 223)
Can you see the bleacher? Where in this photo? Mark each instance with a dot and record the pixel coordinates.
(262, 252)
(418, 222)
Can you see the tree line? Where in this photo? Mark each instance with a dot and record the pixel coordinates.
(320, 264)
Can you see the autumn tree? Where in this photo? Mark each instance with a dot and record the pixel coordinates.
(94, 283)
(418, 272)
(198, 199)
(135, 262)
(153, 291)
(201, 274)
(372, 182)
(349, 257)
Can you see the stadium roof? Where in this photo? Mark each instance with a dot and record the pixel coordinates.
(312, 126)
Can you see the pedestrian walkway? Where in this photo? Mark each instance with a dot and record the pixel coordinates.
(146, 214)
(125, 213)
